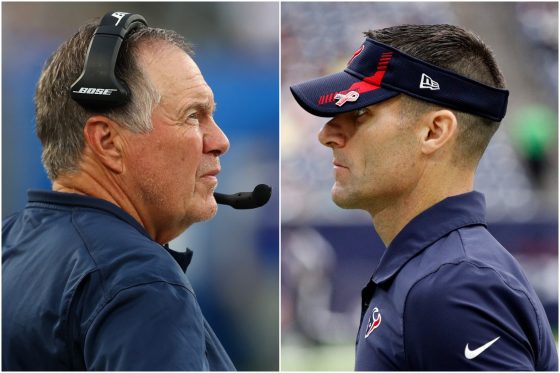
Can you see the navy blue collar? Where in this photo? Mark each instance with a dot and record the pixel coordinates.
(79, 200)
(429, 226)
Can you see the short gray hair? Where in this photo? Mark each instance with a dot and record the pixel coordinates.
(60, 120)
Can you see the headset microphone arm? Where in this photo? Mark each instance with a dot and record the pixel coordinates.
(246, 200)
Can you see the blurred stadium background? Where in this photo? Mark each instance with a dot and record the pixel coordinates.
(329, 254)
(235, 265)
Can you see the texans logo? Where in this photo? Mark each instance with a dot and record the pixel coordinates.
(358, 51)
(374, 321)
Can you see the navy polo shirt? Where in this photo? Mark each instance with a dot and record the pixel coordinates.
(447, 296)
(84, 287)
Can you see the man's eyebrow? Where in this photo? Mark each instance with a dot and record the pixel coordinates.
(209, 107)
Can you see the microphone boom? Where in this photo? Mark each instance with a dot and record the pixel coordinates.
(246, 200)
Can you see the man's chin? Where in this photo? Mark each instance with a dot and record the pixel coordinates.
(343, 199)
(210, 209)
(202, 211)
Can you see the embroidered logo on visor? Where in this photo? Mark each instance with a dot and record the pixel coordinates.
(348, 97)
(428, 83)
(356, 53)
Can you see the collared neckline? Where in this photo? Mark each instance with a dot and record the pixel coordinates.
(80, 200)
(182, 258)
(429, 226)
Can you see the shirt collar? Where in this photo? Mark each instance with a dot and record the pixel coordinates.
(429, 226)
(79, 200)
(182, 258)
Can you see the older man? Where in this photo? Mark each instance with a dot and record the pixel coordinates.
(88, 283)
(412, 114)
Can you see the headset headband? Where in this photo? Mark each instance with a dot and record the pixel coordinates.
(97, 87)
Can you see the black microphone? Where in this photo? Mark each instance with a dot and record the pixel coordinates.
(246, 200)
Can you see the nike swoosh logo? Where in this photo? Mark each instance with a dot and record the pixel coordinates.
(474, 353)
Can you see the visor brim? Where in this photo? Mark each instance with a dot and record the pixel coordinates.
(317, 96)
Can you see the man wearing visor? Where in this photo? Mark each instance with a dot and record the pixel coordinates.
(411, 116)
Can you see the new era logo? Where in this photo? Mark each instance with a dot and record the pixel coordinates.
(428, 83)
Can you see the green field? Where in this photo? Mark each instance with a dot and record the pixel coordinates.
(318, 358)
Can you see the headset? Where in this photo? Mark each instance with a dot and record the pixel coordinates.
(99, 89)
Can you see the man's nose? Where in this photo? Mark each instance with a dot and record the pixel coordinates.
(215, 141)
(332, 134)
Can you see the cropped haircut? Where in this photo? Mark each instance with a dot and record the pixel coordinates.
(462, 52)
(60, 120)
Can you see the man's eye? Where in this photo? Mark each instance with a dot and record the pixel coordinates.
(360, 112)
(192, 118)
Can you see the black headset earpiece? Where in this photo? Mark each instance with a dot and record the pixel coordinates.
(97, 87)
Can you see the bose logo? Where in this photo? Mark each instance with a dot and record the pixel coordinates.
(119, 16)
(95, 91)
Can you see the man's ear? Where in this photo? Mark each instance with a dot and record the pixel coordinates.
(438, 128)
(104, 139)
